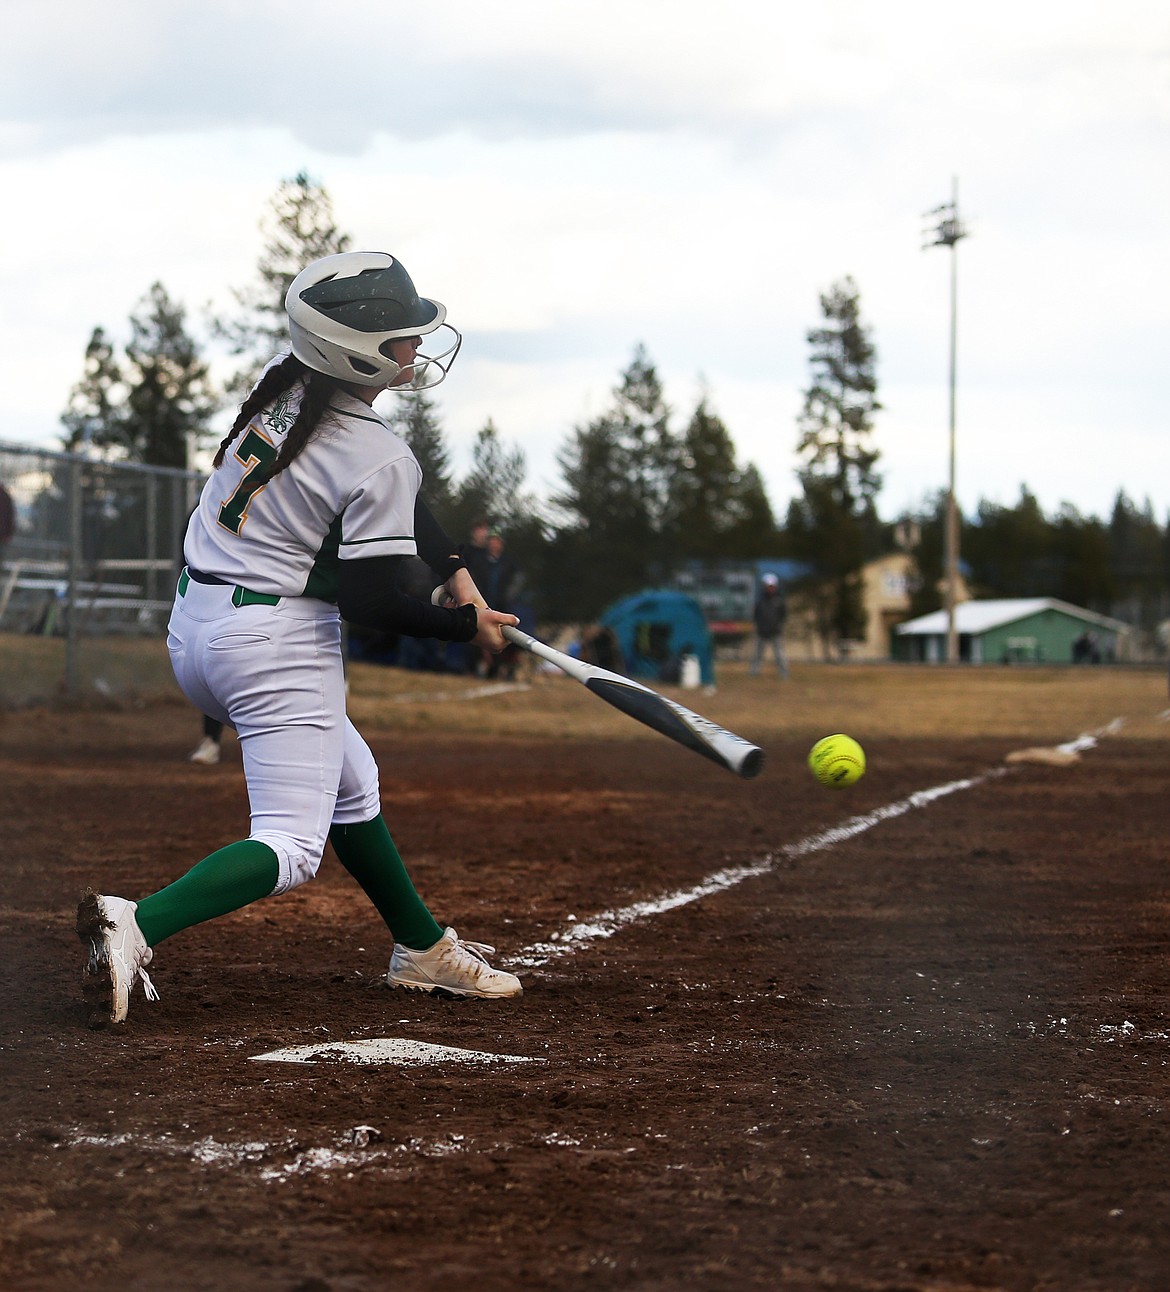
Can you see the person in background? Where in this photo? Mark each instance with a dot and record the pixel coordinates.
(474, 553)
(208, 751)
(771, 610)
(501, 586)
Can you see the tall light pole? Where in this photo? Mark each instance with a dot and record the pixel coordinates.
(946, 233)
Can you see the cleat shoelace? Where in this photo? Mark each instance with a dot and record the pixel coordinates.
(480, 950)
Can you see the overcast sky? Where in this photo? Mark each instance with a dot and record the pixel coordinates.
(572, 179)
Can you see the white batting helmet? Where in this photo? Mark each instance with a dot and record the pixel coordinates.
(344, 310)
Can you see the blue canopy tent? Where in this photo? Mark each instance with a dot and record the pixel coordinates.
(655, 629)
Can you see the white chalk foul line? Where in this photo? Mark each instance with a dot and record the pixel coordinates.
(1090, 738)
(608, 923)
(359, 1148)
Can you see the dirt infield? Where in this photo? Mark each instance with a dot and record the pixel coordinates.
(913, 1035)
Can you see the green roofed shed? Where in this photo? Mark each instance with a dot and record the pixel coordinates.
(1039, 630)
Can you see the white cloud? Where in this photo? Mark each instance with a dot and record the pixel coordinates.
(574, 179)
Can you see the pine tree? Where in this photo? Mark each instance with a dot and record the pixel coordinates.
(651, 451)
(299, 227)
(1082, 550)
(718, 509)
(1136, 562)
(834, 523)
(494, 486)
(414, 416)
(929, 555)
(616, 497)
(155, 404)
(170, 400)
(1010, 549)
(752, 533)
(701, 512)
(93, 412)
(493, 490)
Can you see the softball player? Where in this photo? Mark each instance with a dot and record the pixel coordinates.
(310, 515)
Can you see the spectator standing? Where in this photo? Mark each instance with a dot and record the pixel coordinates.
(770, 613)
(501, 573)
(501, 580)
(475, 551)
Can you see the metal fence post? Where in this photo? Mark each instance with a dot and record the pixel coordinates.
(151, 581)
(76, 530)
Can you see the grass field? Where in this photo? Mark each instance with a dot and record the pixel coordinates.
(892, 701)
(867, 700)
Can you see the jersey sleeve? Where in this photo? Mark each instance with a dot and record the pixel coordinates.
(378, 520)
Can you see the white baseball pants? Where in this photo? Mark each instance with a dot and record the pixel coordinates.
(275, 674)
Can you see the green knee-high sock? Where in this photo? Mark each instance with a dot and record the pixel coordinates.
(233, 877)
(367, 851)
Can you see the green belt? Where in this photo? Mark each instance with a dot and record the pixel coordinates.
(240, 596)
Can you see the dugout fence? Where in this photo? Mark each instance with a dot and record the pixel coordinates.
(88, 573)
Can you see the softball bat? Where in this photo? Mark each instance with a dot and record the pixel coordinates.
(639, 702)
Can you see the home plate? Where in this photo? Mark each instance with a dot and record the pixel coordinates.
(385, 1049)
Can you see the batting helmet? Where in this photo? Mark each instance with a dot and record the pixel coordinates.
(344, 311)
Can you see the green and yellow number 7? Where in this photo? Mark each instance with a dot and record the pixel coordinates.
(257, 454)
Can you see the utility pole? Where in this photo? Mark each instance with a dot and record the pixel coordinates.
(946, 233)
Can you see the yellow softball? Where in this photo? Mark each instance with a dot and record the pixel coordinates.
(837, 761)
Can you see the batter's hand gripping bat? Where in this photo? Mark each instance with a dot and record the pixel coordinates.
(639, 702)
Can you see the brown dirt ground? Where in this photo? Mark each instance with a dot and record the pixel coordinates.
(930, 1056)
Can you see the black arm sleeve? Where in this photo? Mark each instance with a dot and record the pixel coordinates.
(439, 552)
(368, 594)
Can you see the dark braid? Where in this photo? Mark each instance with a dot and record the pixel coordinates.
(275, 382)
(319, 389)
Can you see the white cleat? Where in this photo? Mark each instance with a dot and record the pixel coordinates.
(451, 966)
(118, 956)
(206, 753)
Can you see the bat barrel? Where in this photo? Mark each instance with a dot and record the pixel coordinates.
(648, 707)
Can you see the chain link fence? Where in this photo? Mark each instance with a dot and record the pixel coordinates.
(87, 574)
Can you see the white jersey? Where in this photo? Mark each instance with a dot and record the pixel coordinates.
(349, 493)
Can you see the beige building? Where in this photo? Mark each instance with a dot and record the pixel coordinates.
(887, 586)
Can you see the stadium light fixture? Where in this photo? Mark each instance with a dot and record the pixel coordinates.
(945, 231)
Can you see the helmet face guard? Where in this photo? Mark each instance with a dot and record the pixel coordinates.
(345, 311)
(430, 369)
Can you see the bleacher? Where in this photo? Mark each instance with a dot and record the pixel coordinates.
(35, 595)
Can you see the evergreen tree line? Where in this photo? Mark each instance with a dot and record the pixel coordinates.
(638, 494)
(1118, 567)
